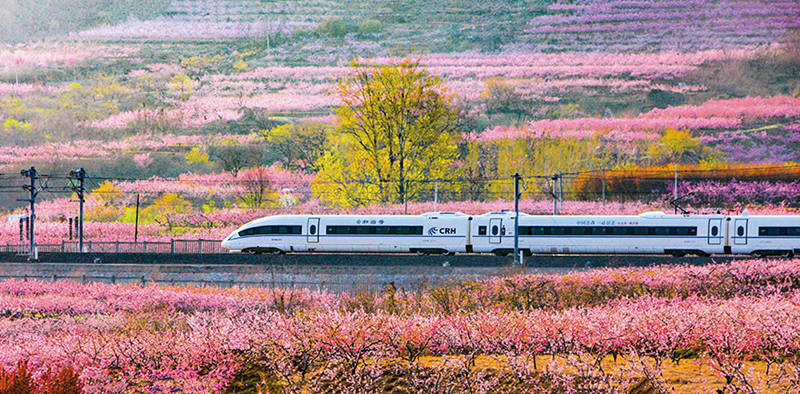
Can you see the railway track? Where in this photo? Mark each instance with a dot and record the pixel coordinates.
(336, 259)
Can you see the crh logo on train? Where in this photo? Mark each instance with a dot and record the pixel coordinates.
(441, 231)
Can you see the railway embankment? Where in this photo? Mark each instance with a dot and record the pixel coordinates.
(468, 260)
(334, 272)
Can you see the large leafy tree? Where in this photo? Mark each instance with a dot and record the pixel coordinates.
(298, 146)
(678, 146)
(394, 132)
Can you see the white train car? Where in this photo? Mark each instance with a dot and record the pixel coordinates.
(651, 232)
(441, 232)
(765, 235)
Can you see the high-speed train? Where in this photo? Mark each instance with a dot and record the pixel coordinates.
(451, 232)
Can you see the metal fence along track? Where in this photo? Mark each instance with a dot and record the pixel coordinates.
(192, 246)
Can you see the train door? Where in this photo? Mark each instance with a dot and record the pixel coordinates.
(715, 231)
(740, 232)
(495, 231)
(313, 230)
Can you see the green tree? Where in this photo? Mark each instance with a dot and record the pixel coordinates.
(196, 156)
(334, 27)
(395, 130)
(104, 203)
(166, 210)
(298, 146)
(502, 98)
(678, 146)
(230, 155)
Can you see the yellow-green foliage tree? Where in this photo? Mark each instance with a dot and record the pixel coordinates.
(395, 130)
(548, 156)
(104, 203)
(500, 96)
(678, 146)
(181, 86)
(198, 158)
(475, 166)
(299, 146)
(166, 210)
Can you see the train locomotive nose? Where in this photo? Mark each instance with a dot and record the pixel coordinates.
(226, 243)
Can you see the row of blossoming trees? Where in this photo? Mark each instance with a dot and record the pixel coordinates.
(472, 167)
(207, 181)
(734, 328)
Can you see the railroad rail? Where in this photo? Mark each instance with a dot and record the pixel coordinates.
(366, 259)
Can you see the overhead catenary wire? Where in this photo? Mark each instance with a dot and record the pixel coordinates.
(648, 175)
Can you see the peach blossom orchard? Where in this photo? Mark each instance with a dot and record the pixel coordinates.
(213, 113)
(129, 338)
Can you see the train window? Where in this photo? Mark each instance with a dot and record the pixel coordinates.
(527, 230)
(481, 230)
(619, 231)
(740, 231)
(608, 231)
(367, 230)
(266, 230)
(409, 230)
(580, 231)
(312, 230)
(495, 230)
(502, 231)
(714, 231)
(779, 231)
(685, 230)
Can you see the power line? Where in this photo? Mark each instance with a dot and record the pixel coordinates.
(644, 174)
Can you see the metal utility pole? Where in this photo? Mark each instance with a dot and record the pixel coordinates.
(555, 179)
(79, 189)
(516, 218)
(436, 197)
(604, 185)
(32, 174)
(404, 193)
(136, 226)
(675, 187)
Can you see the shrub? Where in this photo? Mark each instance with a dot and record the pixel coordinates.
(370, 26)
(663, 99)
(678, 146)
(21, 381)
(65, 381)
(334, 27)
